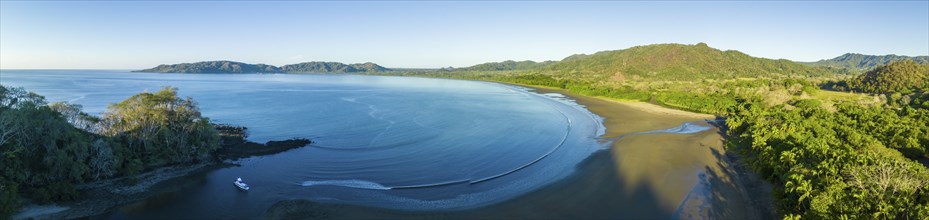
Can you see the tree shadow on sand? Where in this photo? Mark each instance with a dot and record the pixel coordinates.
(734, 182)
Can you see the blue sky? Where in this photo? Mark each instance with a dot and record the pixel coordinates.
(132, 35)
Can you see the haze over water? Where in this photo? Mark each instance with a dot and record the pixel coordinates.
(400, 143)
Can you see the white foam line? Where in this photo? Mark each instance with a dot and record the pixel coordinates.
(550, 151)
(359, 184)
(431, 184)
(685, 128)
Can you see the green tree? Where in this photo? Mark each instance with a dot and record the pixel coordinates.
(9, 200)
(160, 129)
(897, 77)
(45, 149)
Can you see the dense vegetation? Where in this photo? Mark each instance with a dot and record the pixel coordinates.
(829, 154)
(859, 62)
(901, 77)
(237, 67)
(48, 148)
(838, 164)
(158, 129)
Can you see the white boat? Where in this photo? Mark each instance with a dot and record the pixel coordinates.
(241, 185)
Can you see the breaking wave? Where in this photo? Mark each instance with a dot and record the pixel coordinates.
(686, 128)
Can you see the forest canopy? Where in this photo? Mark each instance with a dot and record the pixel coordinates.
(897, 77)
(45, 149)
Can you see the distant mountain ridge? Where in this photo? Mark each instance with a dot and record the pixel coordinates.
(506, 65)
(225, 66)
(866, 62)
(332, 67)
(221, 66)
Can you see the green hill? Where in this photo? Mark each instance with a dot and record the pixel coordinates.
(221, 66)
(865, 62)
(676, 62)
(898, 76)
(332, 67)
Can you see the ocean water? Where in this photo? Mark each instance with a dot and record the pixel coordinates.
(393, 142)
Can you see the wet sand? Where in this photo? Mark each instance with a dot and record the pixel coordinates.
(651, 176)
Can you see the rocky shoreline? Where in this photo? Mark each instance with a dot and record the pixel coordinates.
(235, 144)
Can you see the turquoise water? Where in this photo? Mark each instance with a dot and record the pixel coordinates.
(392, 142)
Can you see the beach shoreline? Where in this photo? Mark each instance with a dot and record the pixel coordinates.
(657, 109)
(724, 173)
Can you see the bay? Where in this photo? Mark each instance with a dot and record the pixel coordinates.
(405, 143)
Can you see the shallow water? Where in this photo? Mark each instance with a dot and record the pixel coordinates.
(391, 142)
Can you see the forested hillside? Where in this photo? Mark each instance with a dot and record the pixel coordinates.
(897, 77)
(676, 62)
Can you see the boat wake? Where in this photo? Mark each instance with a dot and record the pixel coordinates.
(359, 184)
(363, 184)
(433, 184)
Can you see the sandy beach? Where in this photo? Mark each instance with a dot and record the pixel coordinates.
(659, 110)
(652, 176)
